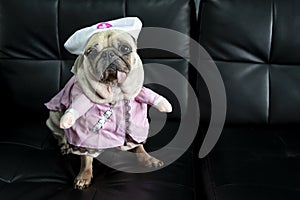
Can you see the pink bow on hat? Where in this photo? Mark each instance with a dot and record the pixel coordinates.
(104, 25)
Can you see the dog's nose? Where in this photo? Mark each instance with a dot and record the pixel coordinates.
(109, 54)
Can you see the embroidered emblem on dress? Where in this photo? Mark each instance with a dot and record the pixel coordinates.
(103, 118)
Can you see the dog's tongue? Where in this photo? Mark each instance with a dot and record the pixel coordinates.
(121, 76)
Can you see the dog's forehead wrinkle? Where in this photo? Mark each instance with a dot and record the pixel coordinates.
(109, 35)
(121, 43)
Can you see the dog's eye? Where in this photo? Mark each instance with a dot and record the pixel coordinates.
(124, 49)
(89, 51)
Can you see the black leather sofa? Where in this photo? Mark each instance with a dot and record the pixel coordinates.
(254, 44)
(34, 66)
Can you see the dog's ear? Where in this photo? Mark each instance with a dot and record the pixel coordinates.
(78, 63)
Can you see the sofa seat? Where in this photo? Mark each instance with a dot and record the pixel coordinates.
(32, 168)
(253, 162)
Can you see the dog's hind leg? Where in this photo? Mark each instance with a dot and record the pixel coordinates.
(147, 160)
(58, 133)
(84, 178)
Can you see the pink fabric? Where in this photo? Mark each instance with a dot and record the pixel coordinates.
(104, 25)
(113, 132)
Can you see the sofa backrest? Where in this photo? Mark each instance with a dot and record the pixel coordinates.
(255, 44)
(34, 65)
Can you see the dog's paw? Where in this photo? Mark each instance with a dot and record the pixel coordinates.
(83, 180)
(67, 120)
(164, 105)
(150, 161)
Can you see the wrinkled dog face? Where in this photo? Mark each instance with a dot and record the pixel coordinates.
(110, 54)
(110, 69)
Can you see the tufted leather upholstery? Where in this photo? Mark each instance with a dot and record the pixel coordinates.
(254, 44)
(34, 66)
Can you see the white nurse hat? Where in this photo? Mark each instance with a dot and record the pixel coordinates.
(76, 43)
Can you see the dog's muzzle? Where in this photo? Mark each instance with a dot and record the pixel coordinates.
(108, 64)
(117, 68)
(112, 73)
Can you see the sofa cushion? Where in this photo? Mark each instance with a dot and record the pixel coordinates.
(253, 43)
(253, 163)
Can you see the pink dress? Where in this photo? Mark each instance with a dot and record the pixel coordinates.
(125, 118)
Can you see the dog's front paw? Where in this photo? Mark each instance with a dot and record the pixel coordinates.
(83, 180)
(150, 161)
(67, 120)
(164, 105)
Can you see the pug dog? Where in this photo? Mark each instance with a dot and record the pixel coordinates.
(104, 104)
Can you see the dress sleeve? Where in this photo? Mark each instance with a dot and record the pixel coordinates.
(148, 96)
